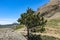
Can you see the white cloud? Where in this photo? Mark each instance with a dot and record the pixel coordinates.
(7, 21)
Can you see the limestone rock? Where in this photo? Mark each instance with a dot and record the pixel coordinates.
(9, 34)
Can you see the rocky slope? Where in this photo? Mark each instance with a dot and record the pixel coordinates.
(10, 34)
(50, 8)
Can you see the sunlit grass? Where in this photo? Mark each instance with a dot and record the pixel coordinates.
(53, 23)
(49, 38)
(19, 27)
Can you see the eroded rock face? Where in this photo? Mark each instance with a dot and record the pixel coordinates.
(49, 9)
(54, 2)
(9, 34)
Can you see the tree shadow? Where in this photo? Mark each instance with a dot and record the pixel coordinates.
(35, 37)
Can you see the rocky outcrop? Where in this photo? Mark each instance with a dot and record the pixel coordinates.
(9, 34)
(50, 8)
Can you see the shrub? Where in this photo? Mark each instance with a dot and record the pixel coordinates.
(34, 37)
(19, 27)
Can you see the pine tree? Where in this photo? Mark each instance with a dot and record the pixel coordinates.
(30, 20)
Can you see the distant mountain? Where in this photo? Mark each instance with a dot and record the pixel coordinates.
(9, 25)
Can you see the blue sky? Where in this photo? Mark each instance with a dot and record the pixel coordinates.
(10, 10)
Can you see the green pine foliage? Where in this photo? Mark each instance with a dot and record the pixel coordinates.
(31, 20)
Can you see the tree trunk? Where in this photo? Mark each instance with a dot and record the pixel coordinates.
(27, 33)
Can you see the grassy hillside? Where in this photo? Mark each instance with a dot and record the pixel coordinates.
(53, 26)
(49, 38)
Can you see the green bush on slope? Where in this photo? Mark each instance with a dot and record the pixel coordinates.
(19, 27)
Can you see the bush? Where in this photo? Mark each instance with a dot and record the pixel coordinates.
(39, 29)
(19, 27)
(42, 30)
(35, 37)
